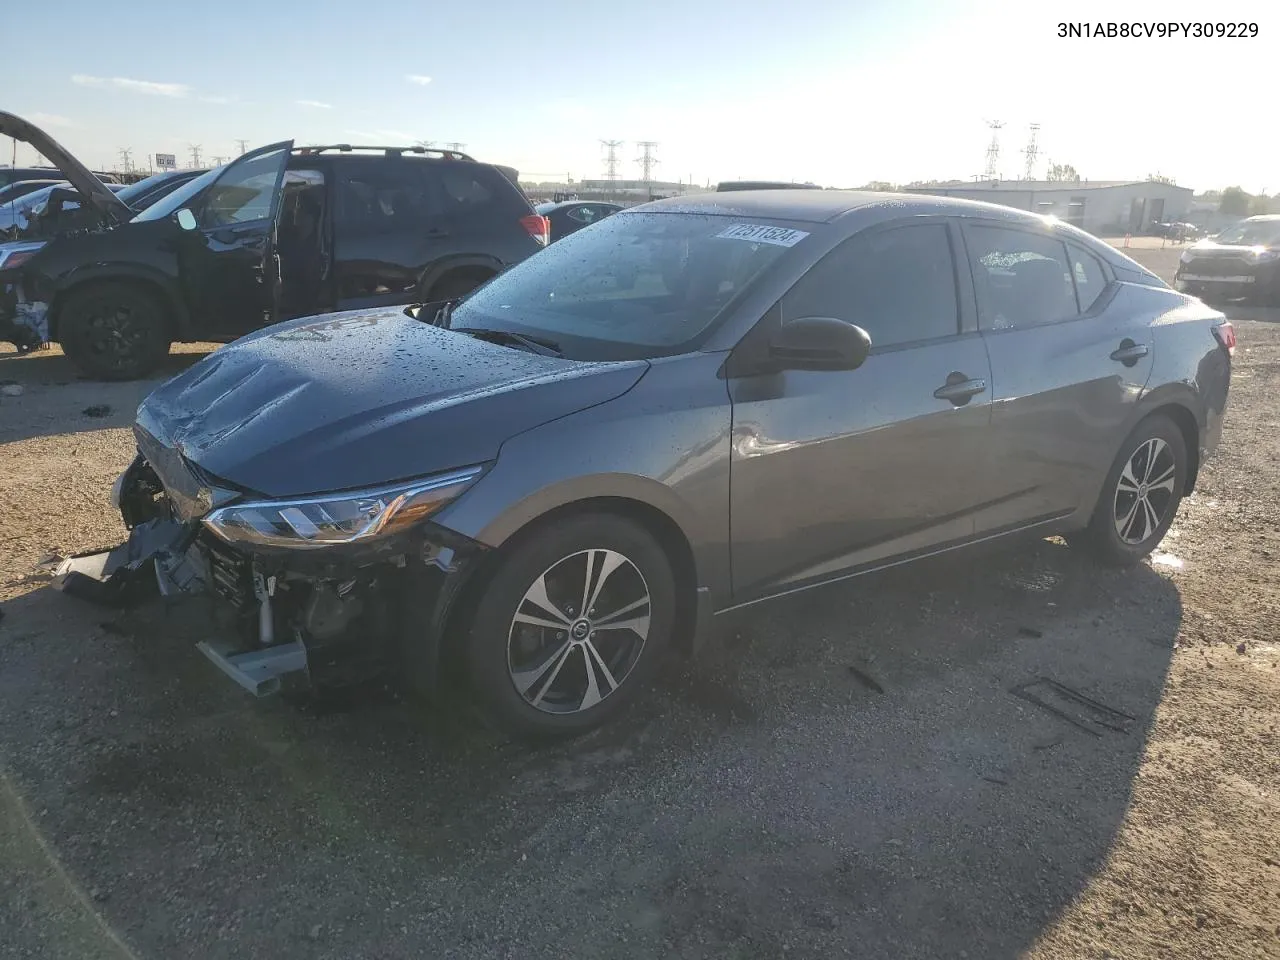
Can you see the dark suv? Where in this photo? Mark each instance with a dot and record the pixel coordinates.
(280, 232)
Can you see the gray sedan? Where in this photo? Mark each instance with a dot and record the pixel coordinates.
(555, 481)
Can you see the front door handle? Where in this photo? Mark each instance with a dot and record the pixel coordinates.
(436, 234)
(959, 389)
(1130, 352)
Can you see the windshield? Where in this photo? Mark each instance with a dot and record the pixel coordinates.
(1251, 233)
(634, 285)
(179, 198)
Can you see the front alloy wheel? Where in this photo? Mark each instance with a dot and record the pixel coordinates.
(571, 625)
(578, 632)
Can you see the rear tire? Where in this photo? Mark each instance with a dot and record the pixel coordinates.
(543, 672)
(113, 330)
(1139, 497)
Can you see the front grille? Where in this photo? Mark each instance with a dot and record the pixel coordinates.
(230, 573)
(1219, 266)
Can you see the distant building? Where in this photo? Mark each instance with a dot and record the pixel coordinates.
(1099, 206)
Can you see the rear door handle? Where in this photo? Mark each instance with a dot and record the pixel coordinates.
(1129, 352)
(959, 389)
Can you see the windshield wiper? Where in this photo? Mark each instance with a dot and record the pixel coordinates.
(539, 345)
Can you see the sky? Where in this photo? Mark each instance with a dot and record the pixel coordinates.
(837, 92)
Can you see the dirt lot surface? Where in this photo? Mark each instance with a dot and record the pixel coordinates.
(846, 773)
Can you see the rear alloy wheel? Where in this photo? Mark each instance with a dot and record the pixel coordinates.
(572, 626)
(1141, 495)
(113, 331)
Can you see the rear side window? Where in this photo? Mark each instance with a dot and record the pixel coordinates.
(1022, 278)
(897, 284)
(381, 196)
(465, 189)
(1088, 275)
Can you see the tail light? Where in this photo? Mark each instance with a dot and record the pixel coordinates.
(1225, 334)
(539, 227)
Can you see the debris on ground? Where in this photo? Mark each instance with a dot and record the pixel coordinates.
(11, 389)
(97, 410)
(865, 679)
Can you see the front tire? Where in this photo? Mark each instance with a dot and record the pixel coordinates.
(571, 627)
(1140, 496)
(113, 331)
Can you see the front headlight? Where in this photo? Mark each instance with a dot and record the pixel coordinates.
(1262, 254)
(329, 519)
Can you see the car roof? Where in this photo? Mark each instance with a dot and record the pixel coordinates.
(824, 206)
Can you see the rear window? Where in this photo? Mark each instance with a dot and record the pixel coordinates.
(634, 285)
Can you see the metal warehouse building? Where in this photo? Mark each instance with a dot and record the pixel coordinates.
(1099, 206)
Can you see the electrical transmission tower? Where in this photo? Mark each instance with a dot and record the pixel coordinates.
(126, 159)
(1031, 152)
(218, 161)
(425, 144)
(646, 159)
(244, 145)
(195, 155)
(611, 158)
(455, 146)
(993, 149)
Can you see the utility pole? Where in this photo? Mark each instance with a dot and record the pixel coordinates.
(646, 159)
(195, 156)
(993, 149)
(244, 145)
(611, 158)
(1031, 152)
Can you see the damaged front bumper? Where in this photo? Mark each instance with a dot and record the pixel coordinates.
(331, 616)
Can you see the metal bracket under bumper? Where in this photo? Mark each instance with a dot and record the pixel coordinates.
(258, 671)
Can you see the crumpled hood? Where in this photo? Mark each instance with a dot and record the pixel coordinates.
(97, 194)
(363, 398)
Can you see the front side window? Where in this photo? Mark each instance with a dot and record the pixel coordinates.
(897, 284)
(634, 285)
(244, 193)
(1022, 278)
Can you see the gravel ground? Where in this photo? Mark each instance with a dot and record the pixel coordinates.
(847, 773)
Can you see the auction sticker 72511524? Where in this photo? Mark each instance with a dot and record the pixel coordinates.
(760, 233)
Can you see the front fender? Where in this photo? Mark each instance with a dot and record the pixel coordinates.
(662, 446)
(137, 272)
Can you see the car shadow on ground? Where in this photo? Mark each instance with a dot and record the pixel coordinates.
(56, 399)
(918, 763)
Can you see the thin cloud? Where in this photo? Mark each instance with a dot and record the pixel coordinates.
(419, 78)
(316, 104)
(216, 99)
(149, 87)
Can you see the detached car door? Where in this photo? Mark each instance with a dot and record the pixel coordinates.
(838, 470)
(226, 251)
(1070, 356)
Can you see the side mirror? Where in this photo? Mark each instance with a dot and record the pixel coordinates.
(819, 343)
(186, 219)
